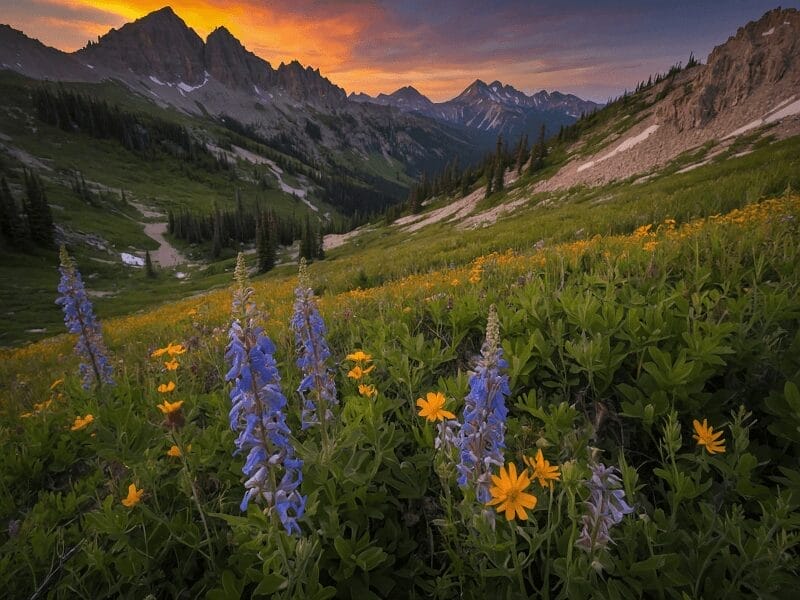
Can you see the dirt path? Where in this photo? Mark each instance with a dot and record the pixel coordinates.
(166, 255)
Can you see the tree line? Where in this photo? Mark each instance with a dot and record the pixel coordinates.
(29, 223)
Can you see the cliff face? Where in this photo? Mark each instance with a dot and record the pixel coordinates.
(159, 45)
(228, 62)
(758, 63)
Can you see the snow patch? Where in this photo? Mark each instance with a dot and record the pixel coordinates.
(156, 80)
(90, 66)
(782, 110)
(130, 259)
(770, 31)
(189, 88)
(180, 275)
(626, 145)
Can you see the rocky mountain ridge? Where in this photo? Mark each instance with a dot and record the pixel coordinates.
(494, 108)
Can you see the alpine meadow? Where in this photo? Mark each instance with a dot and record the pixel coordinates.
(264, 338)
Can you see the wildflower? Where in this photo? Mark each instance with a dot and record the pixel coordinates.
(170, 349)
(171, 365)
(481, 438)
(169, 408)
(368, 391)
(508, 493)
(79, 318)
(173, 415)
(175, 452)
(650, 246)
(273, 473)
(359, 356)
(605, 508)
(81, 422)
(542, 470)
(357, 372)
(166, 388)
(433, 408)
(705, 436)
(56, 383)
(317, 387)
(134, 496)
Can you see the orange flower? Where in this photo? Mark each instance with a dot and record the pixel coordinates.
(705, 436)
(170, 407)
(508, 493)
(166, 388)
(357, 372)
(542, 470)
(171, 365)
(134, 496)
(81, 422)
(175, 452)
(359, 356)
(433, 408)
(367, 390)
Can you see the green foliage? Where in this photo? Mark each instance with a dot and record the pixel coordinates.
(613, 351)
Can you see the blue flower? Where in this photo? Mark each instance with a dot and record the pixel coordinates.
(605, 508)
(317, 387)
(481, 439)
(273, 472)
(79, 318)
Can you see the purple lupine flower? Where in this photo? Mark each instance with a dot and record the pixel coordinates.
(79, 318)
(481, 438)
(605, 508)
(273, 472)
(317, 388)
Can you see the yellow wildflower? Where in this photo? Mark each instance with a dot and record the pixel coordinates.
(170, 407)
(359, 356)
(357, 372)
(166, 388)
(171, 365)
(81, 422)
(134, 496)
(175, 452)
(542, 469)
(367, 390)
(705, 436)
(56, 383)
(508, 493)
(433, 408)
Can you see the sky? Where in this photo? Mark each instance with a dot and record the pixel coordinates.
(592, 48)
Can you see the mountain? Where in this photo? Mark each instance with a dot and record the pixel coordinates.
(748, 87)
(494, 108)
(293, 107)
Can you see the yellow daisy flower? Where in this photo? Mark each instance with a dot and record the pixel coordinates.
(433, 408)
(542, 470)
(81, 422)
(508, 493)
(166, 388)
(134, 496)
(705, 436)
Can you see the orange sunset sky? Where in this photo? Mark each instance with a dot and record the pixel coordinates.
(595, 49)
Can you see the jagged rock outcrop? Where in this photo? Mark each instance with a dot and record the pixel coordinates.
(159, 45)
(492, 108)
(759, 62)
(230, 63)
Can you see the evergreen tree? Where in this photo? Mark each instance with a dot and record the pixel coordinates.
(499, 166)
(11, 225)
(266, 235)
(40, 219)
(148, 265)
(522, 153)
(216, 240)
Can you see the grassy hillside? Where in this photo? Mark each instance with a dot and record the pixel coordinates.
(614, 345)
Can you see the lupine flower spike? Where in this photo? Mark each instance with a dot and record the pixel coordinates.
(79, 318)
(605, 508)
(482, 436)
(317, 387)
(272, 470)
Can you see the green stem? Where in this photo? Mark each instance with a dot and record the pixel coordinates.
(196, 496)
(515, 558)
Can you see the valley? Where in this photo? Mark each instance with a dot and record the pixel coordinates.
(512, 343)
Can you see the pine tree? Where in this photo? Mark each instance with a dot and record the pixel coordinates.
(265, 242)
(216, 240)
(499, 166)
(40, 219)
(522, 153)
(11, 225)
(148, 265)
